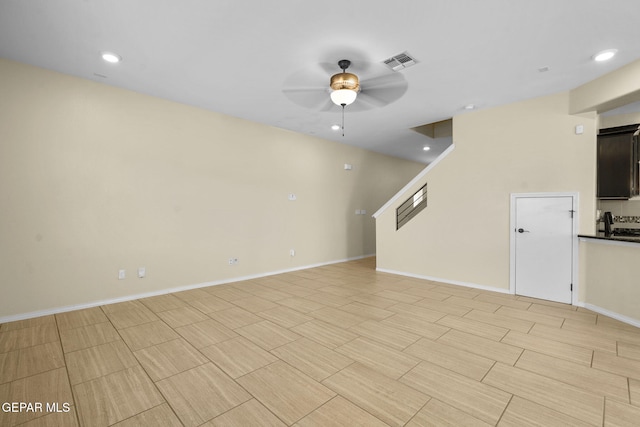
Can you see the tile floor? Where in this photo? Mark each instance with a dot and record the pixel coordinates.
(340, 345)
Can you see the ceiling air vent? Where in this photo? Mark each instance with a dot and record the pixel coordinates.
(400, 61)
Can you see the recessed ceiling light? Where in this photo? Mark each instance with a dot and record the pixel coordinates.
(605, 55)
(111, 57)
(469, 107)
(426, 148)
(335, 127)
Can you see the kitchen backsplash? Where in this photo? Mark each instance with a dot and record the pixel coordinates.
(626, 219)
(626, 210)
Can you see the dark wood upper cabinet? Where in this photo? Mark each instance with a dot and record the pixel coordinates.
(618, 163)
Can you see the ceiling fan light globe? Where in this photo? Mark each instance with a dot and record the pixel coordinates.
(343, 96)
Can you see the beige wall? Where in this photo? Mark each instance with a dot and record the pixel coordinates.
(609, 280)
(463, 234)
(94, 179)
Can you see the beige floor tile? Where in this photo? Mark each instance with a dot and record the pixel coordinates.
(285, 391)
(122, 319)
(161, 415)
(387, 361)
(383, 333)
(566, 312)
(425, 313)
(201, 394)
(498, 351)
(499, 320)
(337, 317)
(255, 304)
(398, 296)
(525, 413)
(235, 317)
(238, 356)
(367, 311)
(28, 337)
(328, 299)
(169, 358)
(27, 323)
(530, 316)
(297, 291)
(30, 361)
(373, 300)
(385, 398)
(250, 413)
(75, 319)
(480, 400)
(443, 307)
(311, 358)
(548, 392)
(549, 347)
(115, 397)
(124, 305)
(473, 304)
(267, 334)
(480, 329)
(584, 377)
(631, 336)
(55, 419)
(438, 414)
(192, 294)
(416, 325)
(508, 300)
(301, 304)
(427, 293)
(459, 361)
(182, 316)
(272, 294)
(162, 303)
(284, 316)
(617, 365)
(210, 304)
(94, 362)
(328, 335)
(228, 294)
(618, 414)
(580, 339)
(88, 336)
(47, 387)
(148, 334)
(456, 290)
(634, 391)
(339, 412)
(630, 351)
(203, 334)
(605, 321)
(340, 291)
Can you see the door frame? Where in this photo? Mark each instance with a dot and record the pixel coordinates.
(574, 237)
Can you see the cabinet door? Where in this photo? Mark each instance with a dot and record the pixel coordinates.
(615, 166)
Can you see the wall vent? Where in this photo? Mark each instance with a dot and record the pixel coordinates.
(400, 61)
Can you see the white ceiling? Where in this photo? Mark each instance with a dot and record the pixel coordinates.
(240, 57)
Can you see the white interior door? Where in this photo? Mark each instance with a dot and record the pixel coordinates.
(544, 247)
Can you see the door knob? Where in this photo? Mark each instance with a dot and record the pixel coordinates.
(522, 230)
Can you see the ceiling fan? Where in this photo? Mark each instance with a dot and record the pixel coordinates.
(367, 86)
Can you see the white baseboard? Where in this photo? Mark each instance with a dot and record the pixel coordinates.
(447, 281)
(67, 308)
(624, 319)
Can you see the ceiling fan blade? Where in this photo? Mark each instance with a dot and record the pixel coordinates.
(312, 98)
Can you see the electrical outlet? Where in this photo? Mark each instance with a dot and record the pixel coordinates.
(292, 252)
(233, 261)
(121, 274)
(142, 272)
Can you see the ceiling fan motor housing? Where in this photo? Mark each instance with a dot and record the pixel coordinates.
(345, 81)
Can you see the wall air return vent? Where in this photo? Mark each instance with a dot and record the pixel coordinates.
(400, 61)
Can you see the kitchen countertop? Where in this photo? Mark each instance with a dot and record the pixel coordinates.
(602, 236)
